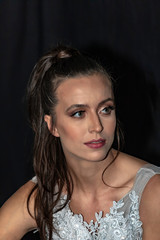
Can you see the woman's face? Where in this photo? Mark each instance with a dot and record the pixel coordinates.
(85, 117)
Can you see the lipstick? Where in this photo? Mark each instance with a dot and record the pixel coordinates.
(95, 143)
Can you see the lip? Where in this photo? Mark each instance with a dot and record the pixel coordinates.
(95, 143)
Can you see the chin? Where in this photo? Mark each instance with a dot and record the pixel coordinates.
(98, 157)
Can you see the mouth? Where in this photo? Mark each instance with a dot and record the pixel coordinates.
(95, 143)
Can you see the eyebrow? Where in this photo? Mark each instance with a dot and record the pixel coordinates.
(86, 105)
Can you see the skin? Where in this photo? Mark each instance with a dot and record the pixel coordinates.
(15, 220)
(92, 118)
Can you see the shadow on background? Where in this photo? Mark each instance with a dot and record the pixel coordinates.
(125, 37)
(136, 101)
(31, 235)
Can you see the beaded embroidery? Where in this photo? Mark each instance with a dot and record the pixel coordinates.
(113, 226)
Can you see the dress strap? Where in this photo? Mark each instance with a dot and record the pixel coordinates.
(143, 176)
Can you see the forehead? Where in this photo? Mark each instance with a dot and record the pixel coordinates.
(83, 89)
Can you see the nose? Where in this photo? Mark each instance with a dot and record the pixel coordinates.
(95, 124)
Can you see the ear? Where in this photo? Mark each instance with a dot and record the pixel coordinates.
(51, 128)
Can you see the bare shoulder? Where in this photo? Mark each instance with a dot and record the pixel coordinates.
(150, 209)
(132, 161)
(129, 164)
(150, 201)
(15, 220)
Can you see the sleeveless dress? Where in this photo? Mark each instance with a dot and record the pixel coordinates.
(122, 222)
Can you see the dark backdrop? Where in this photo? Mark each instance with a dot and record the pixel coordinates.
(123, 34)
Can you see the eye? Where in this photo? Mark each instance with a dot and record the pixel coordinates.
(107, 110)
(78, 114)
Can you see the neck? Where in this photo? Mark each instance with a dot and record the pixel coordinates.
(87, 176)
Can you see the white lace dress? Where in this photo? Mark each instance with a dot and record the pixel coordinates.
(122, 222)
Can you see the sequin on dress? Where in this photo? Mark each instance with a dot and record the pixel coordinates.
(122, 222)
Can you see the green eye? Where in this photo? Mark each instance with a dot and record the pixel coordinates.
(78, 114)
(107, 110)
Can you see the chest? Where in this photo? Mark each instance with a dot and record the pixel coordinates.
(88, 208)
(121, 222)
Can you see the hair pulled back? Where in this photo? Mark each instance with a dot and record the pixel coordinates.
(49, 161)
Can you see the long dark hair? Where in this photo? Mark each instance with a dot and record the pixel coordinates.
(50, 165)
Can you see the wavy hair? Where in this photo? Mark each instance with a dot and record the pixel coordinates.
(49, 162)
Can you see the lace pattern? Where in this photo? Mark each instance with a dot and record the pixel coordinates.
(122, 222)
(113, 226)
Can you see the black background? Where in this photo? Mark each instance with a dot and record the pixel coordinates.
(123, 34)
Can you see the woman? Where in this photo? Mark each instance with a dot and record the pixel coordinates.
(83, 189)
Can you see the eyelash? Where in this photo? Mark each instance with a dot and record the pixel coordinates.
(109, 109)
(81, 112)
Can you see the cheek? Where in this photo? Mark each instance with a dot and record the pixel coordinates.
(114, 125)
(68, 132)
(110, 126)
